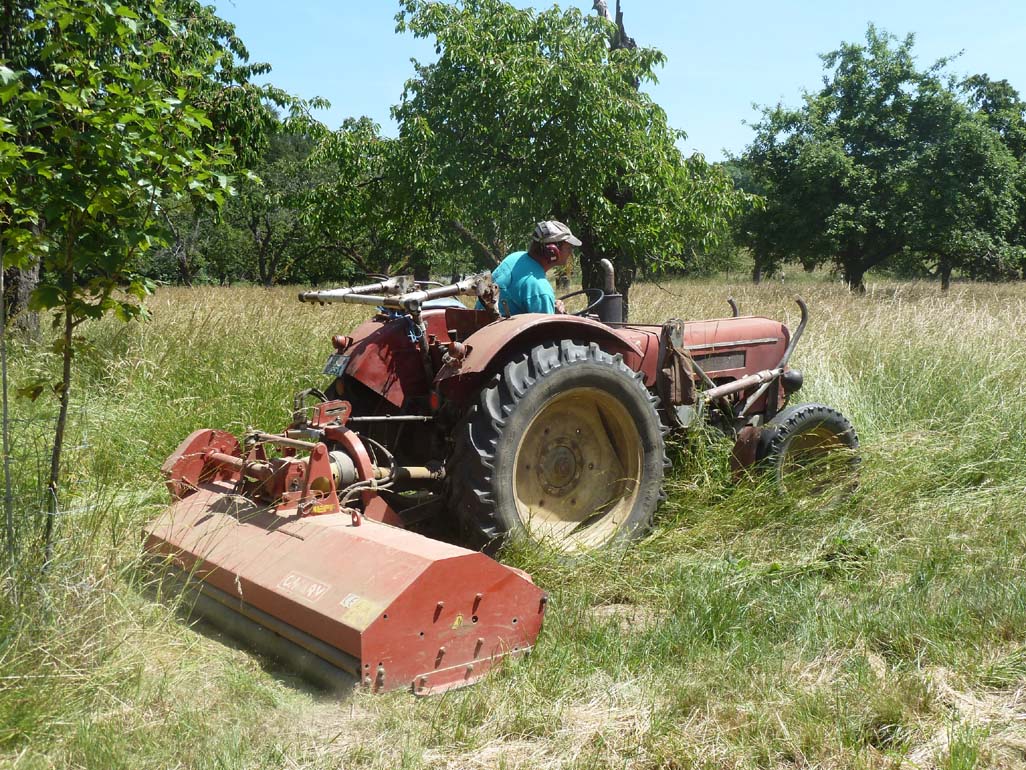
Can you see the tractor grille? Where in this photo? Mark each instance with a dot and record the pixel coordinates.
(718, 362)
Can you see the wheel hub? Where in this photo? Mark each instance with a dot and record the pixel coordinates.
(577, 469)
(559, 466)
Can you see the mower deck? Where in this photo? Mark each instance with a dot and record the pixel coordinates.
(393, 608)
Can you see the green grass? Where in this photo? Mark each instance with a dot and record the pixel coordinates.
(887, 632)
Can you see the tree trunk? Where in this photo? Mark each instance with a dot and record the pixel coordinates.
(53, 486)
(757, 273)
(182, 247)
(266, 263)
(854, 277)
(266, 267)
(183, 269)
(945, 276)
(19, 285)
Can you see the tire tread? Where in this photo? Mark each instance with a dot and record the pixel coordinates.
(477, 436)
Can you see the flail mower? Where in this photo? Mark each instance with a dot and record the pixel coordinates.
(353, 539)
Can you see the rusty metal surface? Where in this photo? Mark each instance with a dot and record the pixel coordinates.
(745, 451)
(676, 381)
(417, 613)
(491, 342)
(763, 339)
(186, 466)
(383, 357)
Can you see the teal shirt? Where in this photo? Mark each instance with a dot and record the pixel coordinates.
(523, 286)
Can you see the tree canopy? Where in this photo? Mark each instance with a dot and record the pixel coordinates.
(528, 115)
(112, 115)
(523, 116)
(885, 164)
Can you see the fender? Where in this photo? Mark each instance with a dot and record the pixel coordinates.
(383, 358)
(493, 344)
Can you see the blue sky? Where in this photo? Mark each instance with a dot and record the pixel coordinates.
(722, 56)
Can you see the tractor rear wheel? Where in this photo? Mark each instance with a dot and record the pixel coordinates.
(812, 452)
(564, 447)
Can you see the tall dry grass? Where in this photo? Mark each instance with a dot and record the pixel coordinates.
(742, 633)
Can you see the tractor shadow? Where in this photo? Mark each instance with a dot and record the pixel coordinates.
(280, 658)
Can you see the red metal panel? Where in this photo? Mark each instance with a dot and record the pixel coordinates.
(733, 333)
(488, 344)
(646, 338)
(386, 360)
(763, 340)
(492, 339)
(368, 590)
(464, 615)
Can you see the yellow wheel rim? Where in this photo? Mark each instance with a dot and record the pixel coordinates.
(817, 467)
(577, 470)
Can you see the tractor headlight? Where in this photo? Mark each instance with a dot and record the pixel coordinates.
(792, 380)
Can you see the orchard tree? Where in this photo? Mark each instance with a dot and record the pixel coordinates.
(1004, 111)
(882, 162)
(835, 170)
(532, 115)
(962, 192)
(202, 246)
(1002, 108)
(112, 110)
(354, 207)
(269, 207)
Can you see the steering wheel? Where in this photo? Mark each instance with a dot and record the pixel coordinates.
(595, 297)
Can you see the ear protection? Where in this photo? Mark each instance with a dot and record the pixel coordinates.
(552, 251)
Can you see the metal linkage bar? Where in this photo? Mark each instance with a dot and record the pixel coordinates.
(411, 473)
(741, 384)
(271, 438)
(393, 418)
(400, 284)
(404, 296)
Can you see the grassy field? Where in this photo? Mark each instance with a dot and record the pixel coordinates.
(890, 632)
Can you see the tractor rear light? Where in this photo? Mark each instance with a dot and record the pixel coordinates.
(435, 401)
(341, 342)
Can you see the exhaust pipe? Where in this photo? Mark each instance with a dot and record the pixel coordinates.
(610, 310)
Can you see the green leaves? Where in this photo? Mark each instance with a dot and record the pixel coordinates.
(10, 84)
(527, 115)
(45, 297)
(885, 164)
(109, 120)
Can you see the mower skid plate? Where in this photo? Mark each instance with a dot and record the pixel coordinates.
(391, 607)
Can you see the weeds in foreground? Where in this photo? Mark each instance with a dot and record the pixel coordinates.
(887, 631)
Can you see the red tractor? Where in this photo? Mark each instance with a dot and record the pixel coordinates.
(552, 426)
(478, 428)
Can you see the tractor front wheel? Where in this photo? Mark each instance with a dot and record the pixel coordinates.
(811, 450)
(564, 447)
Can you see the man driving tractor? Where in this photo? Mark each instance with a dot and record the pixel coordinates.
(523, 287)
